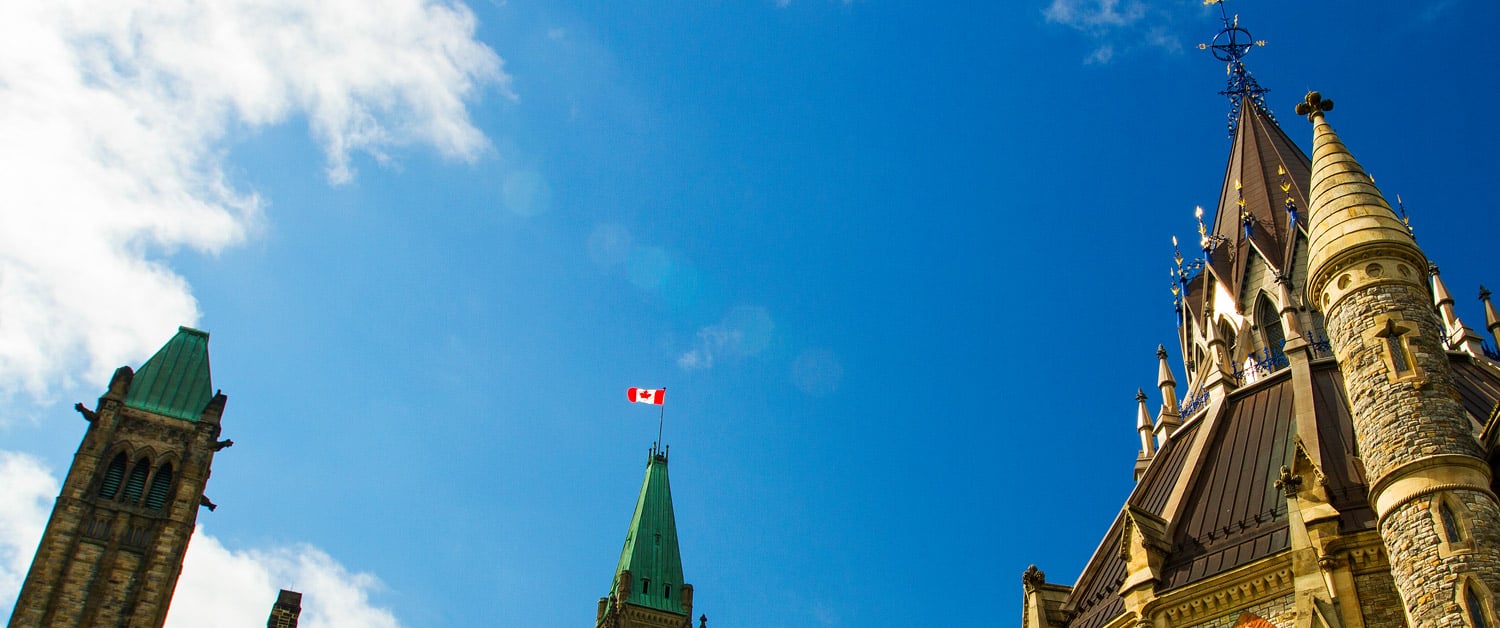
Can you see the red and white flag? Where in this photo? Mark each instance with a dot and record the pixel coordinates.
(653, 396)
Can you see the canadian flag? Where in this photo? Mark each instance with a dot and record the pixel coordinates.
(654, 396)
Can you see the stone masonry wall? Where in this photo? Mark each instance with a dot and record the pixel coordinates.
(1398, 422)
(1410, 531)
(1378, 600)
(1281, 612)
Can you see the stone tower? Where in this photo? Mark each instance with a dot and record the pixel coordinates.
(1429, 481)
(648, 589)
(114, 545)
(286, 611)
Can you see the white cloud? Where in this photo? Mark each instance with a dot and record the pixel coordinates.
(118, 117)
(24, 506)
(1113, 25)
(745, 331)
(219, 587)
(1094, 14)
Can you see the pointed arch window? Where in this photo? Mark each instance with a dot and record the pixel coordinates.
(1231, 339)
(1268, 319)
(113, 476)
(136, 483)
(161, 488)
(1476, 605)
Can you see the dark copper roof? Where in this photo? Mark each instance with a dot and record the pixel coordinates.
(1478, 387)
(1156, 484)
(1347, 489)
(1260, 150)
(1232, 513)
(1096, 597)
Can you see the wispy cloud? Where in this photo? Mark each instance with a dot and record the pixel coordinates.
(744, 331)
(1090, 15)
(118, 118)
(218, 587)
(1113, 26)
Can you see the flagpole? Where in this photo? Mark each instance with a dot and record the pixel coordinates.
(661, 417)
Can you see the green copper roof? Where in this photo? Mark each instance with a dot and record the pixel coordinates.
(651, 544)
(175, 382)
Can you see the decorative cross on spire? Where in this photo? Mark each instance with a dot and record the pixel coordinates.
(1313, 105)
(1230, 46)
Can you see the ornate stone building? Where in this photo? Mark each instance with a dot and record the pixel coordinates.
(1332, 462)
(648, 589)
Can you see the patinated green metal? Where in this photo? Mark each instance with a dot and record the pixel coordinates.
(650, 551)
(175, 382)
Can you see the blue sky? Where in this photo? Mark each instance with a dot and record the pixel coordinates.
(899, 267)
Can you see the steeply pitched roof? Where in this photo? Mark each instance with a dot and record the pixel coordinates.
(650, 551)
(175, 382)
(1262, 160)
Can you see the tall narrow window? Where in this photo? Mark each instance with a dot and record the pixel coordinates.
(1399, 358)
(113, 475)
(1231, 339)
(1450, 522)
(1478, 618)
(161, 486)
(1269, 321)
(136, 483)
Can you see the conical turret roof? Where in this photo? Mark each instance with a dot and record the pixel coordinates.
(650, 552)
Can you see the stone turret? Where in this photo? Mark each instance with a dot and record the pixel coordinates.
(1429, 483)
(1457, 335)
(1169, 418)
(1143, 427)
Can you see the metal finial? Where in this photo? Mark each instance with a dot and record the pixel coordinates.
(1313, 105)
(1230, 46)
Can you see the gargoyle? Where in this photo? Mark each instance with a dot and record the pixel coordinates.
(203, 500)
(223, 443)
(88, 415)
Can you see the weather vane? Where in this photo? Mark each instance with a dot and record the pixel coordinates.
(1230, 46)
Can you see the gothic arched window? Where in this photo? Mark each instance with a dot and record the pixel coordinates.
(1474, 603)
(136, 484)
(161, 487)
(1231, 339)
(1269, 322)
(113, 475)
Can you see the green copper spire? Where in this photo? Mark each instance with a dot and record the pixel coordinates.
(650, 552)
(175, 382)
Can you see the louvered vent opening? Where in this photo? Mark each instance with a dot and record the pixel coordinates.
(136, 483)
(112, 477)
(161, 485)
